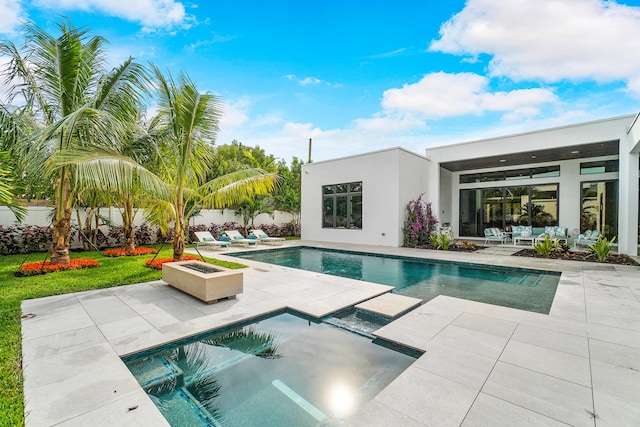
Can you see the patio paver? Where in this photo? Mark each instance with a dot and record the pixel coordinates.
(483, 364)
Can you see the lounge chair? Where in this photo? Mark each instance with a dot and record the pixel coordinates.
(238, 239)
(494, 234)
(589, 237)
(206, 239)
(264, 238)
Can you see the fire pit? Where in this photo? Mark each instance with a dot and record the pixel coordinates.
(204, 281)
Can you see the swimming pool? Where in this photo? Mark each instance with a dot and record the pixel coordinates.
(283, 370)
(524, 289)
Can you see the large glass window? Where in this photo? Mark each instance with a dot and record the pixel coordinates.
(506, 206)
(342, 205)
(602, 166)
(508, 175)
(600, 207)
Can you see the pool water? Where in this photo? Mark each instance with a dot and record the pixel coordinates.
(280, 371)
(524, 289)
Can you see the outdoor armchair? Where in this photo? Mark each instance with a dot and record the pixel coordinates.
(494, 234)
(589, 237)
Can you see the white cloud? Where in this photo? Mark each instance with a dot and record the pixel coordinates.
(152, 14)
(235, 114)
(11, 15)
(549, 40)
(5, 86)
(308, 81)
(389, 122)
(439, 95)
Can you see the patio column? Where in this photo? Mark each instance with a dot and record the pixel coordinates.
(628, 192)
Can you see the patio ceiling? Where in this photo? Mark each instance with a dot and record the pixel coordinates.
(597, 149)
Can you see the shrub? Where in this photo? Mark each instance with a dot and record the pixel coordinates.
(547, 246)
(602, 248)
(136, 252)
(441, 241)
(35, 268)
(420, 223)
(157, 263)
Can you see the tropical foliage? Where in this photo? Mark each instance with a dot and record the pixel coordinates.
(72, 102)
(602, 248)
(187, 122)
(80, 138)
(546, 246)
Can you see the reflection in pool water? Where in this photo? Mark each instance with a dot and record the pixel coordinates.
(280, 371)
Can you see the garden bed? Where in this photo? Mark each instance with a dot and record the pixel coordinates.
(619, 259)
(452, 248)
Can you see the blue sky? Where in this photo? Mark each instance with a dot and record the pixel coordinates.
(362, 76)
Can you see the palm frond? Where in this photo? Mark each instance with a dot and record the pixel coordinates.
(232, 188)
(108, 170)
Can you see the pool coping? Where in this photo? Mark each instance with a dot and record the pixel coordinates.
(73, 374)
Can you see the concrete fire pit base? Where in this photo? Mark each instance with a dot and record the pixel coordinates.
(206, 282)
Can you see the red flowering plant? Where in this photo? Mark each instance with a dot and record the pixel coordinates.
(136, 252)
(35, 268)
(157, 263)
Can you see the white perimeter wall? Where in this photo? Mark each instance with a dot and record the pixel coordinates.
(390, 179)
(41, 215)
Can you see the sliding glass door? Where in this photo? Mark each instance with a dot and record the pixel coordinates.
(503, 207)
(600, 207)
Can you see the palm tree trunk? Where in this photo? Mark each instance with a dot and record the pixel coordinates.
(178, 238)
(61, 227)
(129, 230)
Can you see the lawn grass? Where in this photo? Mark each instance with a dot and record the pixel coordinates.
(13, 290)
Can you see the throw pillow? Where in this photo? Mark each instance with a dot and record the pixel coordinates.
(550, 230)
(525, 233)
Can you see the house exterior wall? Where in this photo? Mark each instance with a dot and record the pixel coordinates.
(390, 179)
(624, 129)
(393, 177)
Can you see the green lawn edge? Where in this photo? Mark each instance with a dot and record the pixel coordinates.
(111, 272)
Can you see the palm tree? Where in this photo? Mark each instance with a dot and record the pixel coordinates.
(76, 104)
(186, 123)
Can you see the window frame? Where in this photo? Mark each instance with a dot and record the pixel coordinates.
(335, 198)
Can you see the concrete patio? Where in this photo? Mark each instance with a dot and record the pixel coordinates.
(483, 364)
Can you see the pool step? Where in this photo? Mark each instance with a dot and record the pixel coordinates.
(158, 375)
(389, 305)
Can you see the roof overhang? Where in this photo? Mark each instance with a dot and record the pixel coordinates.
(582, 151)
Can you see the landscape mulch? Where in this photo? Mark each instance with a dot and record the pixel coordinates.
(619, 259)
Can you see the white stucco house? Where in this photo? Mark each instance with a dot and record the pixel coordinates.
(583, 176)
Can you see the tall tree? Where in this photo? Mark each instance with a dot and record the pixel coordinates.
(288, 198)
(76, 103)
(186, 126)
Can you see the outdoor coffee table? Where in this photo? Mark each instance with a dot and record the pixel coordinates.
(528, 238)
